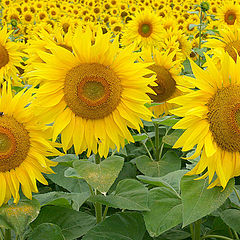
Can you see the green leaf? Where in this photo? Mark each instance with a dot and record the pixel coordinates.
(173, 137)
(19, 216)
(198, 201)
(46, 231)
(66, 158)
(70, 184)
(156, 181)
(74, 224)
(232, 218)
(167, 121)
(176, 235)
(166, 211)
(168, 163)
(100, 176)
(174, 178)
(72, 173)
(121, 226)
(139, 137)
(52, 198)
(170, 180)
(130, 194)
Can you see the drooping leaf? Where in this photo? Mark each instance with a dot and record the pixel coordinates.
(52, 198)
(165, 211)
(19, 216)
(168, 163)
(198, 201)
(46, 231)
(70, 184)
(73, 224)
(130, 194)
(232, 218)
(120, 226)
(173, 137)
(100, 176)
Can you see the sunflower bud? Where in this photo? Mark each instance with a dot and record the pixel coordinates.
(204, 6)
(14, 23)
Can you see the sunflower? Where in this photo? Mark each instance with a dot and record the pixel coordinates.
(24, 147)
(211, 120)
(228, 41)
(10, 58)
(144, 30)
(168, 82)
(58, 36)
(92, 94)
(229, 14)
(178, 36)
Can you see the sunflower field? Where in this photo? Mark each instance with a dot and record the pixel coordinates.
(119, 119)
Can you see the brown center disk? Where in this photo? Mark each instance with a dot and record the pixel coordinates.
(145, 29)
(231, 48)
(4, 57)
(224, 118)
(230, 17)
(14, 143)
(166, 85)
(92, 90)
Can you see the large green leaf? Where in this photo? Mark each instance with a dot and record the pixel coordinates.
(100, 176)
(66, 158)
(54, 198)
(167, 121)
(156, 181)
(170, 180)
(198, 201)
(232, 218)
(70, 184)
(121, 226)
(166, 211)
(168, 163)
(18, 217)
(73, 224)
(46, 231)
(130, 194)
(173, 137)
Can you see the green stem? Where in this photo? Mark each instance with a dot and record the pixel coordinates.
(162, 145)
(98, 211)
(192, 231)
(157, 140)
(236, 234)
(197, 230)
(229, 229)
(235, 190)
(150, 155)
(91, 190)
(8, 234)
(98, 206)
(216, 236)
(105, 212)
(153, 147)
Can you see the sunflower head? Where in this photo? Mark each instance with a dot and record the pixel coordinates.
(93, 92)
(143, 30)
(24, 146)
(211, 120)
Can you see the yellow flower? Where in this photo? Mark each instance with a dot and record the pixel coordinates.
(93, 94)
(168, 83)
(143, 31)
(229, 13)
(228, 41)
(24, 147)
(211, 119)
(10, 58)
